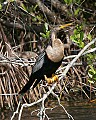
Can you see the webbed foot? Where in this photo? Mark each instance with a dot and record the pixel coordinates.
(51, 80)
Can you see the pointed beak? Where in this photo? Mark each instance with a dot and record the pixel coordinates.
(65, 25)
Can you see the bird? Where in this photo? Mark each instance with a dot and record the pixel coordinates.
(47, 62)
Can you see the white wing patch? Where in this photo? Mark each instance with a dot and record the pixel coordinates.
(39, 62)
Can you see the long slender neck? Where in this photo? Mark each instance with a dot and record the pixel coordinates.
(53, 36)
(56, 51)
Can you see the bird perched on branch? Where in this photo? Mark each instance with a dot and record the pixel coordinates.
(47, 62)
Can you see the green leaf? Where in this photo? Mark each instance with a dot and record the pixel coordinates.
(92, 69)
(68, 1)
(43, 35)
(78, 36)
(72, 37)
(94, 77)
(90, 81)
(11, 0)
(90, 73)
(75, 31)
(81, 44)
(90, 56)
(47, 34)
(24, 7)
(76, 11)
(35, 7)
(0, 6)
(46, 26)
(89, 36)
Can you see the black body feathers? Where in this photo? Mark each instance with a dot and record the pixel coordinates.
(43, 66)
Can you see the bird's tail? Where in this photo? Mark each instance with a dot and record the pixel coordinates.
(28, 85)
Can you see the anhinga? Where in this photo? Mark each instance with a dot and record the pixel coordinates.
(47, 63)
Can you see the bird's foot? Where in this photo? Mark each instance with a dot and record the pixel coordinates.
(51, 80)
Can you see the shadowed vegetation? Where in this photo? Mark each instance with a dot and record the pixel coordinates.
(25, 30)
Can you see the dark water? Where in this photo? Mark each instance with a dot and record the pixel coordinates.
(79, 111)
